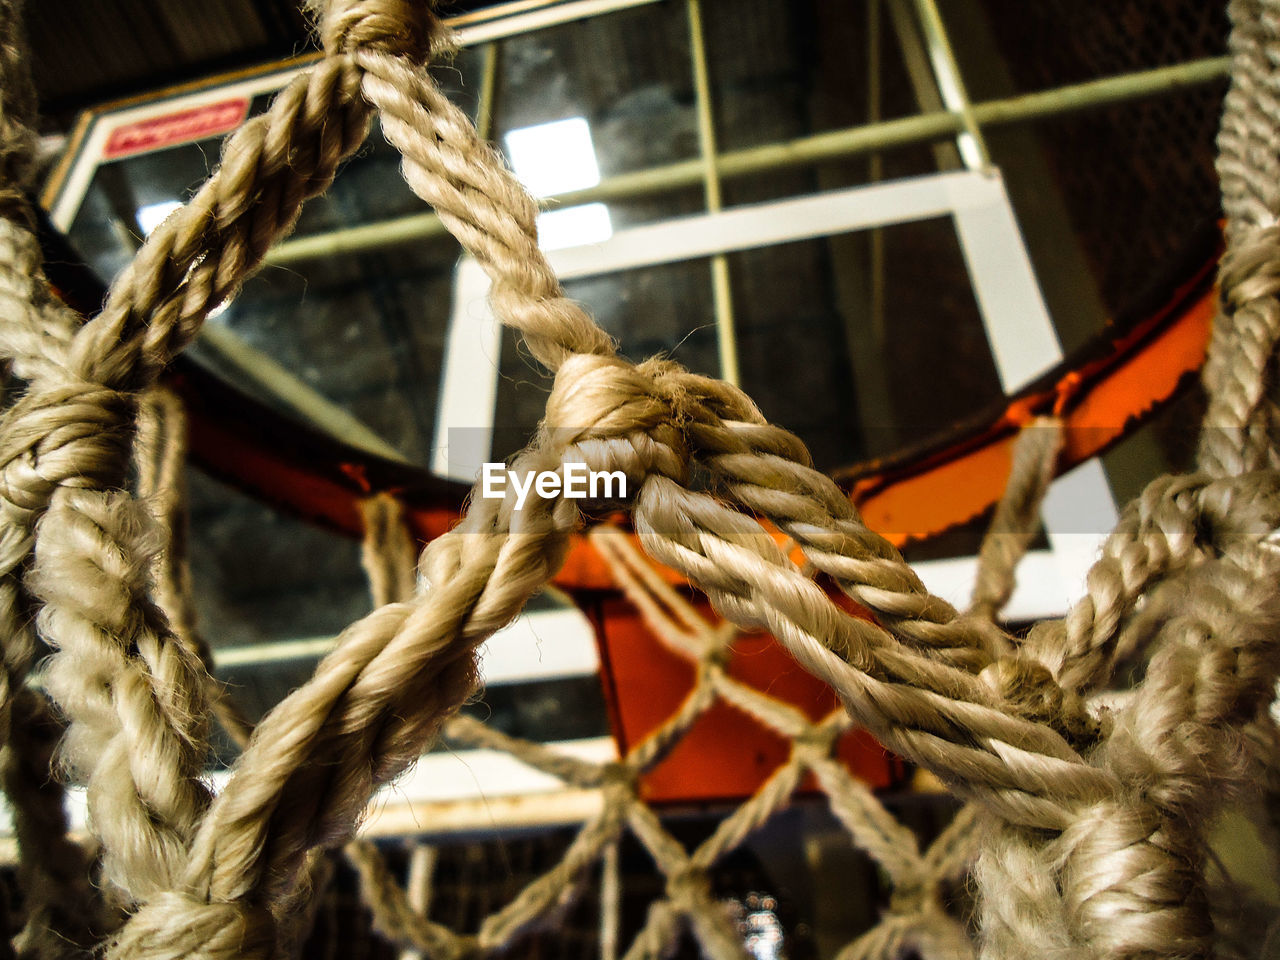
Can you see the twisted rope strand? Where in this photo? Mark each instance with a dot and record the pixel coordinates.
(1017, 515)
(192, 262)
(1239, 432)
(160, 452)
(63, 913)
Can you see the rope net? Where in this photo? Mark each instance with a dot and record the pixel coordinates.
(918, 915)
(1094, 819)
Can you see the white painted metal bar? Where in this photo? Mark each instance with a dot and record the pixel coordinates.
(469, 386)
(541, 645)
(1023, 341)
(445, 792)
(1079, 506)
(1041, 591)
(469, 380)
(766, 224)
(395, 816)
(482, 815)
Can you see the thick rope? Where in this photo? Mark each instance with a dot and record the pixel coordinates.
(387, 553)
(681, 627)
(17, 120)
(447, 164)
(1240, 426)
(34, 332)
(1126, 878)
(1017, 515)
(160, 456)
(117, 349)
(64, 916)
(134, 696)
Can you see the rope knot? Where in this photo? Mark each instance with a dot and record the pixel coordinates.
(405, 28)
(1251, 270)
(689, 887)
(1130, 881)
(617, 777)
(1028, 688)
(614, 416)
(74, 433)
(912, 895)
(817, 740)
(174, 926)
(1241, 509)
(1026, 685)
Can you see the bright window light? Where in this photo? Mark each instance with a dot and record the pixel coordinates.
(574, 226)
(153, 214)
(553, 158)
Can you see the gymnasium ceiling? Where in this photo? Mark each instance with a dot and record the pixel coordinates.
(87, 51)
(90, 51)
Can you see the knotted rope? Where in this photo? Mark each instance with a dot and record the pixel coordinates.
(1241, 422)
(1105, 810)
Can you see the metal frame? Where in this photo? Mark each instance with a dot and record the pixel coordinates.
(539, 645)
(804, 151)
(721, 290)
(525, 16)
(445, 793)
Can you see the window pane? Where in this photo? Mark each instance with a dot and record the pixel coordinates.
(626, 73)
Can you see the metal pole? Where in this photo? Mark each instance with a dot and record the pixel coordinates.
(275, 651)
(834, 145)
(920, 71)
(422, 865)
(488, 90)
(721, 291)
(875, 173)
(972, 146)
